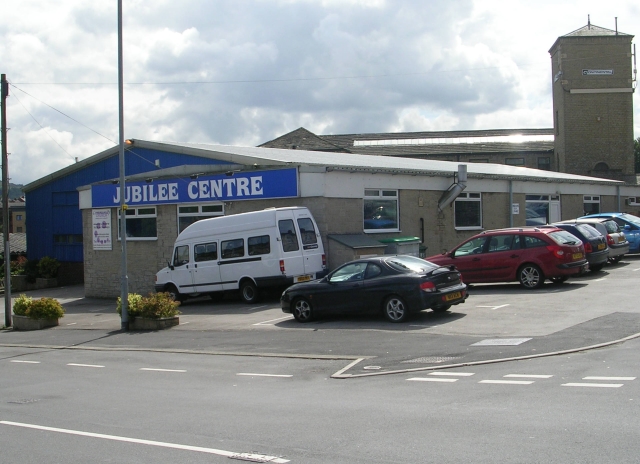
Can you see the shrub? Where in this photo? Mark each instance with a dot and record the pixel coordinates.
(133, 306)
(21, 305)
(154, 306)
(44, 308)
(31, 270)
(48, 267)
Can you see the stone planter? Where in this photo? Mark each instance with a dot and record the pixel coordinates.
(41, 282)
(140, 323)
(19, 283)
(27, 323)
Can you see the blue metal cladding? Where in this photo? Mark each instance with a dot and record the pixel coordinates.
(52, 210)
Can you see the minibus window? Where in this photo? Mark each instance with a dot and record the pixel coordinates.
(259, 245)
(181, 256)
(288, 235)
(307, 231)
(205, 252)
(232, 248)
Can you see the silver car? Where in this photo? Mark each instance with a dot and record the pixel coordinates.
(618, 243)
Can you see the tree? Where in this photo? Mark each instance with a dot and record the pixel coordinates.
(636, 153)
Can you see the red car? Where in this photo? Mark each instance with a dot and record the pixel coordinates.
(528, 255)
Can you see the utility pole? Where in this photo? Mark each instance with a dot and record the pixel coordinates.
(4, 85)
(124, 278)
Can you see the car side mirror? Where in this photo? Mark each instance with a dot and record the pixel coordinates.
(170, 266)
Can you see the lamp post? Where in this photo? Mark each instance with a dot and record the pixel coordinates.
(124, 278)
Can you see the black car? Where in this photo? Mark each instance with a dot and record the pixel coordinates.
(394, 285)
(595, 244)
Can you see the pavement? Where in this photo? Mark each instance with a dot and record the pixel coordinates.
(498, 323)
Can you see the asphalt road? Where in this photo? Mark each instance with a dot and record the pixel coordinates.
(249, 383)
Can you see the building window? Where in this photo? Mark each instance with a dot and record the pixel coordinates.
(18, 217)
(514, 161)
(188, 214)
(380, 210)
(478, 160)
(468, 211)
(67, 239)
(591, 204)
(544, 163)
(141, 224)
(537, 209)
(18, 229)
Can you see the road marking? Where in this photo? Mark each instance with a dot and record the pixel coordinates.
(264, 375)
(455, 374)
(599, 280)
(256, 307)
(228, 454)
(161, 370)
(184, 323)
(73, 323)
(274, 320)
(432, 379)
(426, 326)
(501, 342)
(25, 362)
(636, 269)
(608, 378)
(84, 365)
(595, 385)
(508, 382)
(528, 376)
(493, 307)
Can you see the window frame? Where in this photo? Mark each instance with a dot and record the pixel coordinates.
(199, 214)
(382, 194)
(134, 213)
(590, 200)
(468, 197)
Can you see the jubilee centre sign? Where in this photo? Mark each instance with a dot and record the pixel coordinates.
(253, 185)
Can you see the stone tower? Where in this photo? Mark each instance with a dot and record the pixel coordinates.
(593, 103)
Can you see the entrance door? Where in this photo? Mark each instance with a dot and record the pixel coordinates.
(555, 215)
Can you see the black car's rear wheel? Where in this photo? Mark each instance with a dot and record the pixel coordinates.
(441, 308)
(395, 309)
(530, 276)
(302, 309)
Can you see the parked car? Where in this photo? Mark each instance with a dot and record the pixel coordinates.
(394, 285)
(630, 226)
(595, 244)
(617, 241)
(528, 255)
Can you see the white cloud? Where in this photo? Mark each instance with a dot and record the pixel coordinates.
(246, 72)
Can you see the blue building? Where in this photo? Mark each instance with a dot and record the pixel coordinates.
(53, 216)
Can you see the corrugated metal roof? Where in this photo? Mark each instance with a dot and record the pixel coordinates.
(18, 242)
(261, 157)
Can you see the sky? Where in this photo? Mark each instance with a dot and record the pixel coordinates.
(243, 72)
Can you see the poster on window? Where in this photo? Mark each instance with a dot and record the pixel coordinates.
(101, 221)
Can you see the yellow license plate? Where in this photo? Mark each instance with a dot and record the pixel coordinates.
(577, 255)
(601, 246)
(452, 296)
(304, 278)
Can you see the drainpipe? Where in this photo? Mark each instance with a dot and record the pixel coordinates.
(510, 203)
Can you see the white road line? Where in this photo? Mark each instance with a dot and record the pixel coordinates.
(264, 375)
(25, 362)
(608, 378)
(73, 323)
(184, 323)
(528, 376)
(84, 365)
(274, 320)
(599, 280)
(257, 307)
(432, 379)
(228, 454)
(595, 385)
(493, 307)
(455, 374)
(426, 326)
(636, 269)
(161, 370)
(508, 382)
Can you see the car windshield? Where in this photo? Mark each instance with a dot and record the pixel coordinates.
(612, 227)
(562, 237)
(410, 264)
(588, 231)
(632, 219)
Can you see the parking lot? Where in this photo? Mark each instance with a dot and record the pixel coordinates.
(499, 321)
